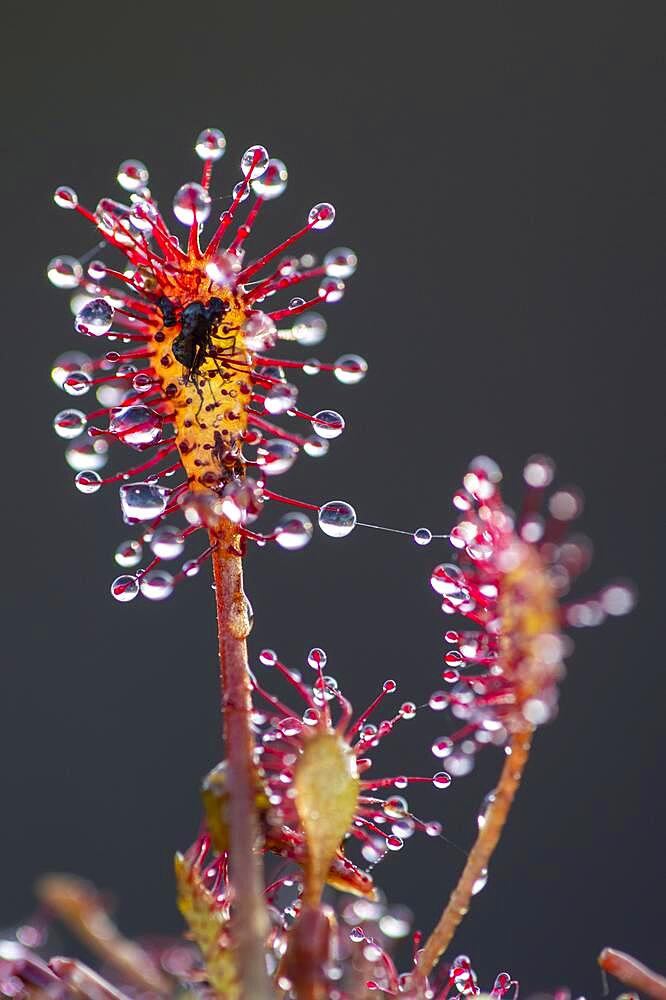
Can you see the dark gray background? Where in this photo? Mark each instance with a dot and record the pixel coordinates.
(497, 167)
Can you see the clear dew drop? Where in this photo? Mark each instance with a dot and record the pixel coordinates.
(65, 197)
(95, 319)
(136, 425)
(254, 159)
(337, 518)
(97, 270)
(268, 657)
(438, 701)
(241, 192)
(317, 658)
(64, 272)
(315, 447)
(422, 536)
(483, 810)
(277, 456)
(296, 302)
(340, 262)
(357, 934)
(312, 366)
(481, 882)
(350, 369)
(322, 215)
(125, 588)
(328, 424)
(331, 289)
(167, 542)
(441, 779)
(259, 333)
(88, 481)
(69, 424)
(84, 455)
(142, 382)
(129, 553)
(293, 531)
(77, 383)
(156, 585)
(310, 330)
(210, 144)
(142, 502)
(280, 398)
(442, 747)
(273, 181)
(394, 843)
(132, 175)
(396, 806)
(191, 203)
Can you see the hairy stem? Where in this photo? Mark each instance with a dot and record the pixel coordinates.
(480, 855)
(250, 918)
(633, 974)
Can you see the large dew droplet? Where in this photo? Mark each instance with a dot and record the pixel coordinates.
(254, 159)
(142, 502)
(309, 330)
(211, 144)
(328, 424)
(95, 318)
(277, 456)
(125, 588)
(331, 289)
(136, 425)
(280, 398)
(167, 542)
(272, 182)
(293, 531)
(132, 175)
(87, 455)
(88, 481)
(157, 585)
(350, 369)
(321, 216)
(65, 197)
(129, 553)
(64, 272)
(77, 383)
(69, 424)
(191, 203)
(341, 262)
(337, 518)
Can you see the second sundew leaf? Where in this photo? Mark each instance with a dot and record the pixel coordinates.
(327, 789)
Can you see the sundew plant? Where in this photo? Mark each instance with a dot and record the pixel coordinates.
(280, 890)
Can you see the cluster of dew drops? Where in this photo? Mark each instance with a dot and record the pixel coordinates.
(94, 316)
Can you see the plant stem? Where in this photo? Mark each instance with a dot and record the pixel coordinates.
(633, 974)
(480, 855)
(250, 918)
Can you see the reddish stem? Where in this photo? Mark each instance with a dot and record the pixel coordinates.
(250, 919)
(479, 856)
(632, 973)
